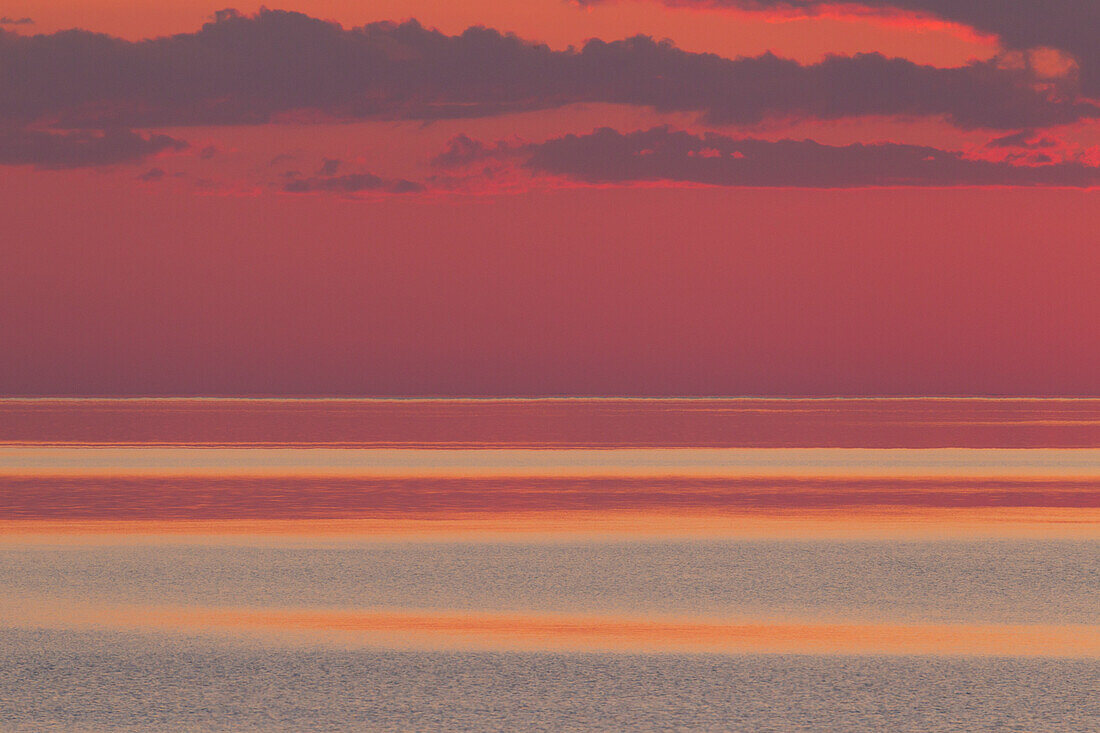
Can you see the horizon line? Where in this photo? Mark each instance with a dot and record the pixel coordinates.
(323, 397)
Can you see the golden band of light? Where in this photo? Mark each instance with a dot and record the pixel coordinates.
(477, 630)
(1009, 463)
(860, 522)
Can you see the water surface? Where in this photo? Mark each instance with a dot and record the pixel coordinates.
(786, 565)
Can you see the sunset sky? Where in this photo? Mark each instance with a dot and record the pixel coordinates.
(604, 197)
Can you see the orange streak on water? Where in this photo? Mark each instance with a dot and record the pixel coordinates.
(323, 462)
(417, 629)
(866, 522)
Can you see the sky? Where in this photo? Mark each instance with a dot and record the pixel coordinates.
(606, 197)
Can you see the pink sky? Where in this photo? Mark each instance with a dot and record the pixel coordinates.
(141, 266)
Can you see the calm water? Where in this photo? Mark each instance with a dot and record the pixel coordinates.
(694, 423)
(1002, 581)
(97, 681)
(758, 565)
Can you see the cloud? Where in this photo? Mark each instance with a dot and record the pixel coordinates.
(607, 156)
(5, 20)
(1023, 139)
(329, 167)
(463, 150)
(1068, 25)
(353, 183)
(80, 149)
(252, 69)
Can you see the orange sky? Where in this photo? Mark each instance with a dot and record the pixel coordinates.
(556, 22)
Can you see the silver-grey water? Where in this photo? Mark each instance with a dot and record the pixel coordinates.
(97, 681)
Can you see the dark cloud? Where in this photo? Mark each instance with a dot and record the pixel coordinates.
(242, 69)
(5, 20)
(463, 150)
(353, 183)
(1067, 25)
(662, 154)
(81, 148)
(153, 174)
(1023, 139)
(329, 167)
(208, 152)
